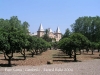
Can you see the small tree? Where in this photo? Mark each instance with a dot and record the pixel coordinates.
(11, 37)
(78, 40)
(65, 45)
(74, 41)
(93, 46)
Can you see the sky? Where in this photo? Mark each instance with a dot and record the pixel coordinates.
(51, 13)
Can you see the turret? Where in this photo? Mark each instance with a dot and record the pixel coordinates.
(51, 34)
(40, 31)
(58, 34)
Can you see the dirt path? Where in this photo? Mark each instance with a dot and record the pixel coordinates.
(90, 67)
(36, 60)
(37, 65)
(48, 55)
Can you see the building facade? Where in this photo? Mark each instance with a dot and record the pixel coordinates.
(56, 35)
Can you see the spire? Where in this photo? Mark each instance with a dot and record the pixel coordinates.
(41, 28)
(58, 30)
(50, 30)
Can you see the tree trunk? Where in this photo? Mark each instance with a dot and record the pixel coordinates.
(32, 53)
(87, 50)
(4, 54)
(75, 59)
(50, 48)
(80, 50)
(70, 53)
(40, 51)
(9, 58)
(23, 53)
(98, 50)
(92, 51)
(36, 51)
(9, 61)
(66, 52)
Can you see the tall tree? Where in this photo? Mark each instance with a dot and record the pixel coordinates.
(88, 26)
(66, 34)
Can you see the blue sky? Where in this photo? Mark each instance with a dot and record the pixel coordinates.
(51, 13)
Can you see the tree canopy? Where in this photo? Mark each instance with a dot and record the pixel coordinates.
(75, 40)
(14, 37)
(88, 26)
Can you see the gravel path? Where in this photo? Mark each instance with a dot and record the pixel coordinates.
(90, 67)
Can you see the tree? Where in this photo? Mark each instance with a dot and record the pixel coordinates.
(65, 45)
(93, 46)
(74, 41)
(12, 35)
(30, 46)
(67, 33)
(24, 38)
(54, 45)
(46, 37)
(77, 41)
(98, 45)
(88, 26)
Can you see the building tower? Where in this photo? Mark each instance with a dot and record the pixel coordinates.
(51, 35)
(40, 31)
(58, 34)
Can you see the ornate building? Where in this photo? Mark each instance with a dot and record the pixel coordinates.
(57, 35)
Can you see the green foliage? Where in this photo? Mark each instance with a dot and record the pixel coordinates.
(79, 40)
(74, 41)
(66, 34)
(36, 43)
(46, 37)
(89, 27)
(64, 43)
(94, 45)
(54, 45)
(13, 36)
